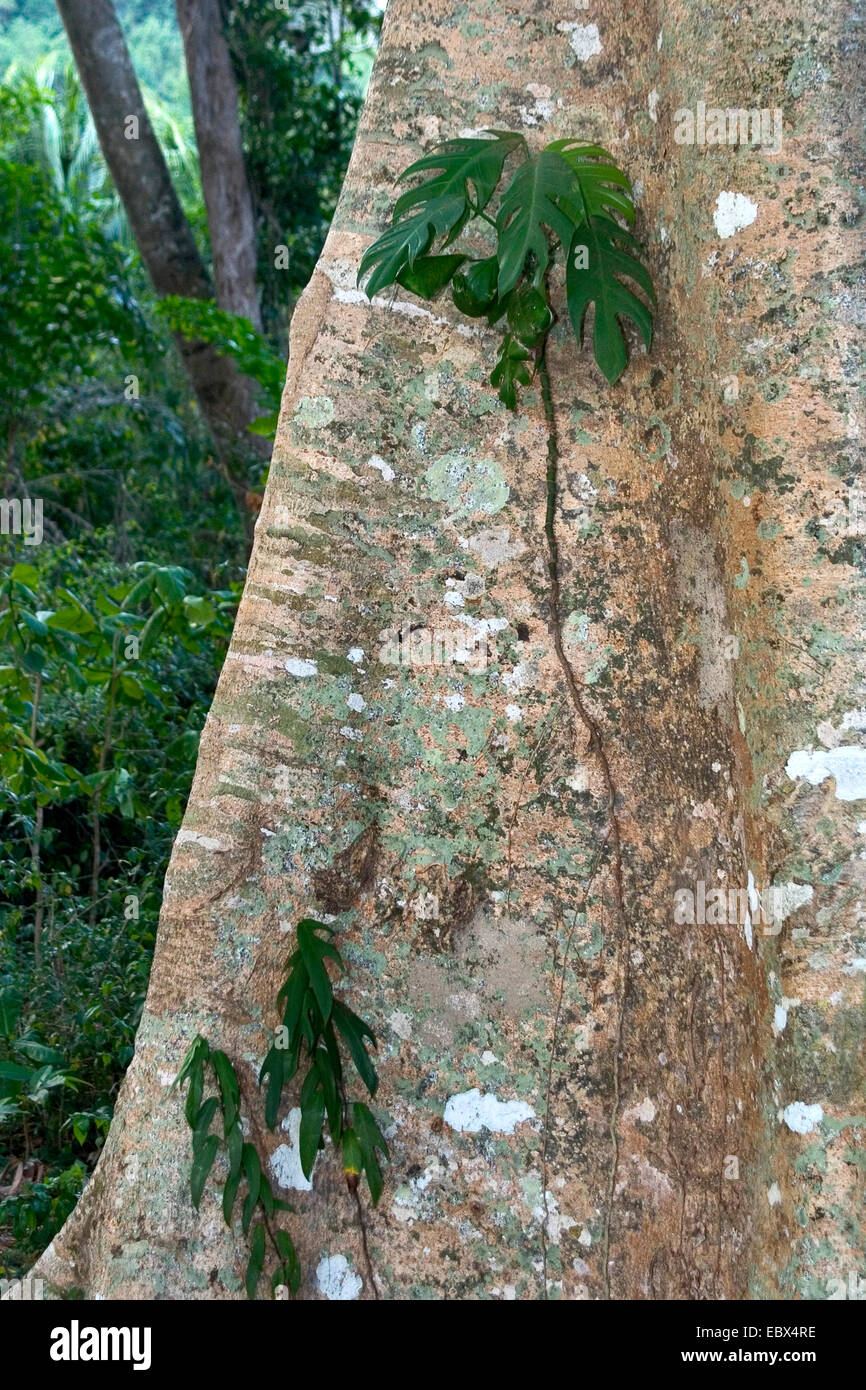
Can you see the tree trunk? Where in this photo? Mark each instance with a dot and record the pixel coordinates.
(223, 171)
(161, 230)
(588, 1096)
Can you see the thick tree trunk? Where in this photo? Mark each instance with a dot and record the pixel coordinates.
(161, 230)
(227, 197)
(668, 1109)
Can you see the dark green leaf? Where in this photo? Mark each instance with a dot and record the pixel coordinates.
(370, 1138)
(312, 950)
(529, 315)
(235, 1141)
(608, 258)
(429, 274)
(310, 1135)
(203, 1122)
(468, 171)
(510, 370)
(354, 1030)
(530, 205)
(230, 1192)
(272, 1068)
(257, 1259)
(325, 1072)
(201, 1166)
(475, 287)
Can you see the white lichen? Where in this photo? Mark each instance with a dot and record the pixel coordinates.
(470, 1112)
(802, 1118)
(733, 212)
(846, 765)
(336, 1279)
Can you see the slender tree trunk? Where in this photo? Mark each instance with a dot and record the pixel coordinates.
(161, 230)
(589, 1096)
(227, 196)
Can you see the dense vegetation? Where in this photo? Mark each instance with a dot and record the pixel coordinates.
(113, 627)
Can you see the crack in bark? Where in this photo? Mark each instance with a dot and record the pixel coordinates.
(597, 747)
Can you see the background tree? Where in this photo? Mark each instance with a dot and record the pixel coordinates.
(113, 628)
(588, 1098)
(162, 233)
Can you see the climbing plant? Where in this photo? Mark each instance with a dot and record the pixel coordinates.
(313, 1028)
(567, 194)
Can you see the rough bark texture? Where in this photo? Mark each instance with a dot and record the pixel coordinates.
(636, 1058)
(159, 225)
(214, 94)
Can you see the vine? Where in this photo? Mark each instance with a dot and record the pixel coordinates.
(314, 1026)
(568, 195)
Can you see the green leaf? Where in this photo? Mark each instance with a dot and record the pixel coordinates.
(201, 1166)
(354, 1030)
(312, 951)
(194, 1094)
(230, 1192)
(272, 1068)
(38, 1052)
(599, 181)
(370, 1139)
(235, 1142)
(253, 1174)
(203, 1122)
(469, 170)
(325, 1072)
(197, 1053)
(608, 257)
(475, 288)
(510, 370)
(530, 204)
(228, 1083)
(401, 245)
(293, 992)
(290, 1271)
(75, 620)
(12, 1071)
(10, 1009)
(310, 1134)
(265, 425)
(429, 274)
(26, 575)
(529, 315)
(256, 1260)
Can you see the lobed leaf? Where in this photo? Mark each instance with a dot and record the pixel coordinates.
(609, 258)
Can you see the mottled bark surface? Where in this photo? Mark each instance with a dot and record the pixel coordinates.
(636, 1074)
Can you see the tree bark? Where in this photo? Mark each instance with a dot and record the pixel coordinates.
(670, 1110)
(161, 230)
(226, 189)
